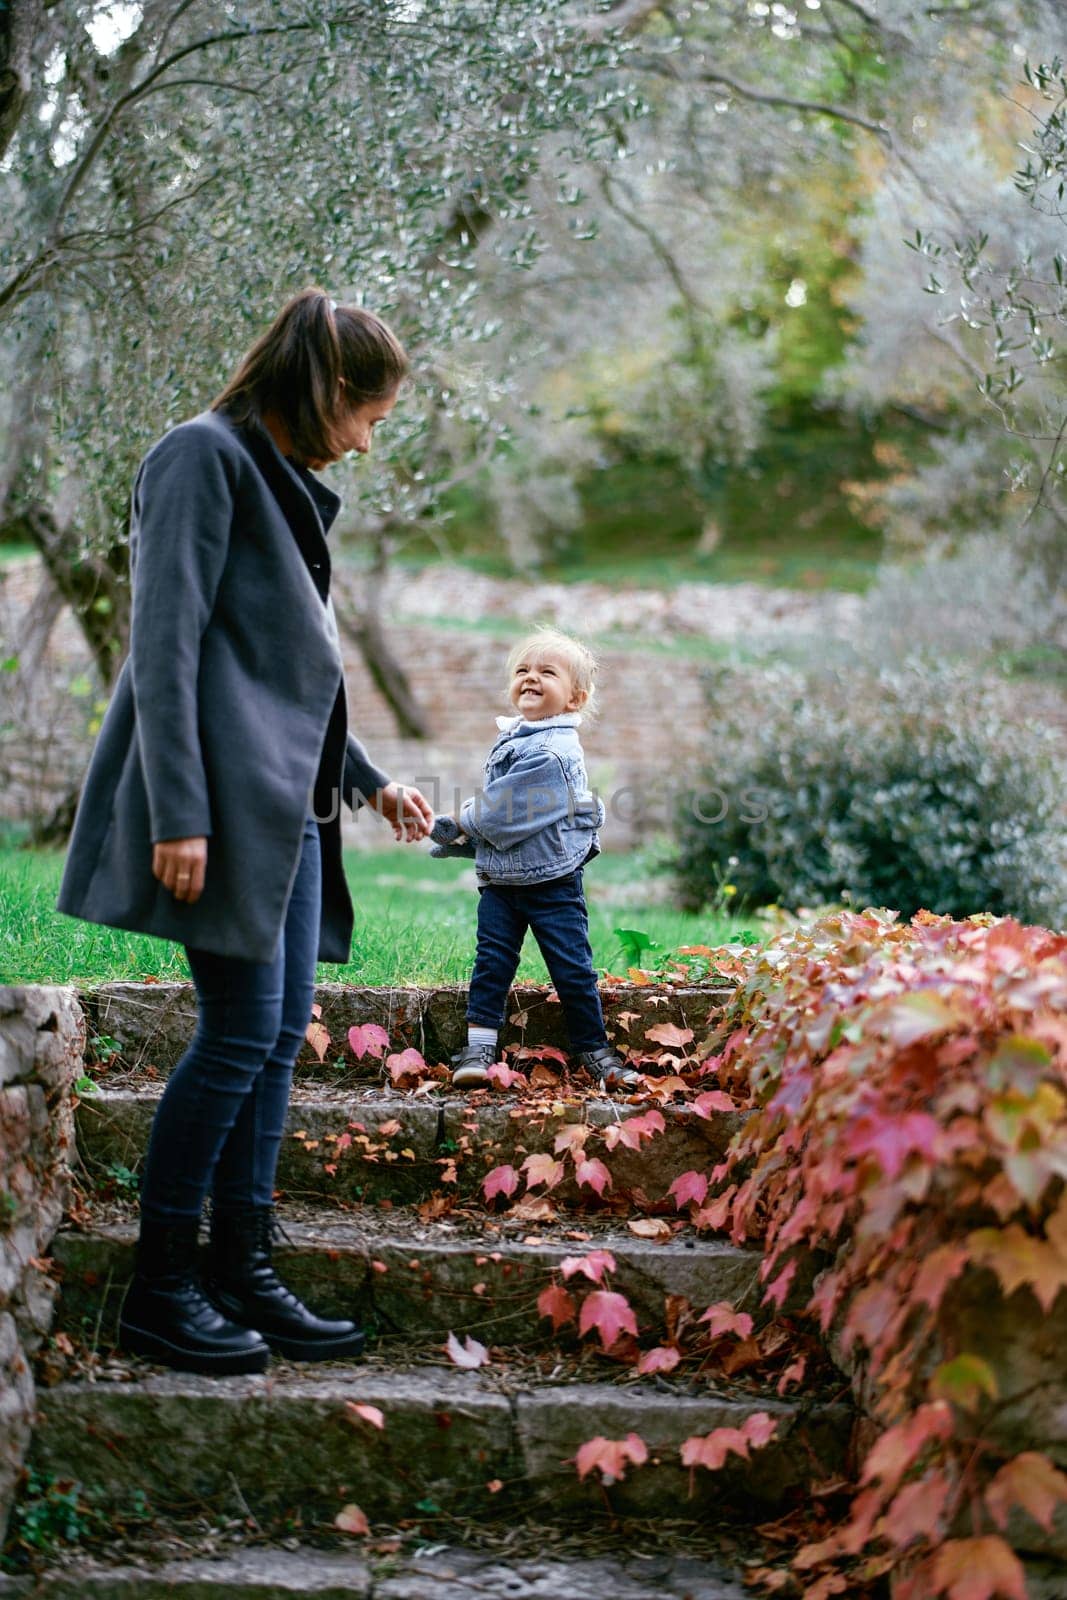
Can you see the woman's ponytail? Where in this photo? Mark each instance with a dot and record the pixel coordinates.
(295, 370)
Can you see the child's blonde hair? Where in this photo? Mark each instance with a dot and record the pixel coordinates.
(579, 660)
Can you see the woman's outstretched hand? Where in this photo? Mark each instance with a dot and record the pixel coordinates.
(180, 864)
(409, 812)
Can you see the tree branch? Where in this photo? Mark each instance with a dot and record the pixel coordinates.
(745, 91)
(627, 16)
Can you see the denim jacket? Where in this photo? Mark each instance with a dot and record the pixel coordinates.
(536, 817)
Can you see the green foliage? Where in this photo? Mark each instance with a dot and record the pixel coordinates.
(910, 791)
(404, 142)
(101, 1047)
(781, 516)
(52, 1511)
(118, 1179)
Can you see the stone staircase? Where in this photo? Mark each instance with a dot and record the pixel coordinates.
(470, 1485)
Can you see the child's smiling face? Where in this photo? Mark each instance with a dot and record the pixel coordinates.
(542, 686)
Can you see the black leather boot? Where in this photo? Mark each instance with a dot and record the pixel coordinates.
(608, 1069)
(167, 1317)
(241, 1280)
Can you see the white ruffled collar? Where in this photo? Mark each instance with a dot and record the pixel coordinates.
(566, 719)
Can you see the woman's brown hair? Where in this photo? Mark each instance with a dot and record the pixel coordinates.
(296, 369)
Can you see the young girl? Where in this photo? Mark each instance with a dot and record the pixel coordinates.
(531, 830)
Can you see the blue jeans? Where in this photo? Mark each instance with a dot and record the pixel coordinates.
(219, 1124)
(555, 913)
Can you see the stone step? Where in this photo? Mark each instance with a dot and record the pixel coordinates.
(309, 1573)
(420, 1282)
(152, 1023)
(402, 1145)
(488, 1444)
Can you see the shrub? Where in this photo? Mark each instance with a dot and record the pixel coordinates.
(911, 1131)
(974, 601)
(911, 791)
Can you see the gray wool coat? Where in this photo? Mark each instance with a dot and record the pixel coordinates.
(229, 716)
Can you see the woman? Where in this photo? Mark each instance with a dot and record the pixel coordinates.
(210, 813)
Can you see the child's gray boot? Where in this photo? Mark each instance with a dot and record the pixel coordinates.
(607, 1068)
(470, 1066)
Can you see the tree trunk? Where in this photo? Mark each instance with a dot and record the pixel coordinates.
(96, 587)
(363, 625)
(19, 22)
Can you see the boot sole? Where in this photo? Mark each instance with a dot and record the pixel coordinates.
(349, 1344)
(470, 1078)
(211, 1364)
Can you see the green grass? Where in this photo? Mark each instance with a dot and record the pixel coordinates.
(784, 518)
(415, 921)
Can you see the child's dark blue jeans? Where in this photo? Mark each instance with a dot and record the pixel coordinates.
(221, 1118)
(555, 914)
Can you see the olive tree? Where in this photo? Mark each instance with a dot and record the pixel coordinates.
(163, 191)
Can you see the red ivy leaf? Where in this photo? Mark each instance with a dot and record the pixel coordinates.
(592, 1266)
(916, 1512)
(502, 1180)
(937, 1271)
(712, 1100)
(572, 1138)
(775, 1292)
(1030, 1481)
(892, 1139)
(711, 1449)
(891, 1455)
(556, 1303)
(610, 1457)
(542, 1168)
(594, 1173)
(318, 1038)
(364, 1413)
(405, 1064)
(689, 1187)
(350, 1519)
(501, 1076)
(718, 1214)
(610, 1314)
(724, 1319)
(664, 1358)
(469, 1354)
(666, 1033)
(368, 1040)
(794, 1373)
(633, 1130)
(978, 1569)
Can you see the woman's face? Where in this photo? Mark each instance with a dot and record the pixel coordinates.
(355, 427)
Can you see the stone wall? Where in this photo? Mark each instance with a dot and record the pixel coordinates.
(42, 1038)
